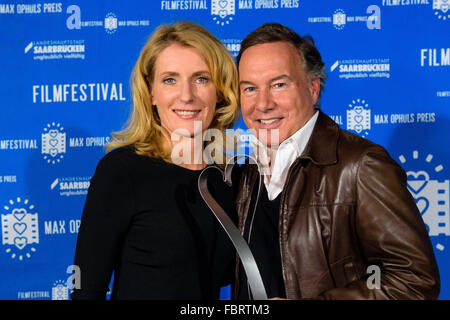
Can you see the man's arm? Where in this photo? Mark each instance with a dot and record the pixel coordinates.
(392, 235)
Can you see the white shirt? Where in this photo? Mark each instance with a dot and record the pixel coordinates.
(289, 150)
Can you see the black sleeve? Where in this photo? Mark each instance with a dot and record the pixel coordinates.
(105, 220)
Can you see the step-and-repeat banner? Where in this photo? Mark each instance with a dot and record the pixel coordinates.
(64, 87)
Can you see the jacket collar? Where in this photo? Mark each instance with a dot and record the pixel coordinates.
(322, 146)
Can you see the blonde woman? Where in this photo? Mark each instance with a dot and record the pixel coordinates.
(144, 220)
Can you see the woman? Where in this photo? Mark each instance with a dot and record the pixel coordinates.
(144, 218)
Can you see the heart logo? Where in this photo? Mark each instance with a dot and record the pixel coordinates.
(223, 3)
(20, 227)
(20, 242)
(53, 142)
(358, 109)
(53, 133)
(53, 152)
(444, 8)
(422, 204)
(358, 128)
(248, 261)
(358, 118)
(19, 214)
(223, 13)
(418, 182)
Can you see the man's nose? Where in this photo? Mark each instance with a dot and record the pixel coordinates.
(187, 93)
(264, 101)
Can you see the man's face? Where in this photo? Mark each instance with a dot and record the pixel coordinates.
(275, 92)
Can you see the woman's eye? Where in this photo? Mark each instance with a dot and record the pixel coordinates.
(169, 81)
(202, 80)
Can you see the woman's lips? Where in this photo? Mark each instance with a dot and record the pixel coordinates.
(186, 114)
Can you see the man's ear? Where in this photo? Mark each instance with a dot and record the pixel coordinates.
(314, 89)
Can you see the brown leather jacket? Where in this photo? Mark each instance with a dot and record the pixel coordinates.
(345, 206)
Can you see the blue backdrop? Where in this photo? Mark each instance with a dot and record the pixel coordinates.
(64, 86)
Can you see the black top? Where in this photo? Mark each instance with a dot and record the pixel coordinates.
(264, 244)
(145, 220)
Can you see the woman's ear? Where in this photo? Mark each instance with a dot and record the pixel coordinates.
(150, 90)
(152, 98)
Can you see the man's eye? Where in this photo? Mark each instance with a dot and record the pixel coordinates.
(169, 81)
(279, 85)
(249, 89)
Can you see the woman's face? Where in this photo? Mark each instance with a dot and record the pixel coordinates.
(183, 91)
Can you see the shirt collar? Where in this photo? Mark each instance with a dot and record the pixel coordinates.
(300, 138)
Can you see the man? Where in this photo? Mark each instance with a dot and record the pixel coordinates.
(332, 218)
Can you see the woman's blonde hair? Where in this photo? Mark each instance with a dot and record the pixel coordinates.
(143, 130)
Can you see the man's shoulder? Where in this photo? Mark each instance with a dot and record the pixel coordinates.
(354, 152)
(349, 139)
(330, 144)
(346, 139)
(351, 145)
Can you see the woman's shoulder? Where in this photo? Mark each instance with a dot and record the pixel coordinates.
(128, 159)
(119, 157)
(120, 153)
